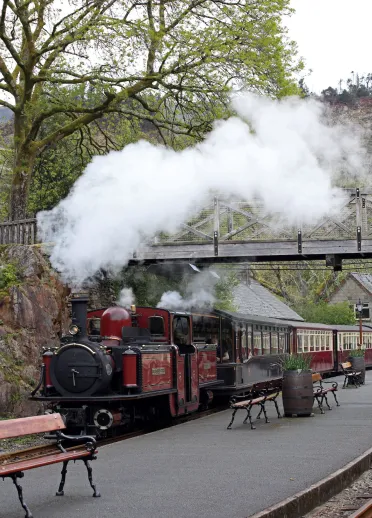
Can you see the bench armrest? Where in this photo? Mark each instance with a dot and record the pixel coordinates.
(89, 441)
(333, 383)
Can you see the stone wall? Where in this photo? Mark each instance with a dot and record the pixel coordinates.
(33, 314)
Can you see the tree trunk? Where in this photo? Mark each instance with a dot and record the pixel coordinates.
(23, 165)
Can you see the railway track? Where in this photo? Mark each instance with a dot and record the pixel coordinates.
(48, 449)
(364, 512)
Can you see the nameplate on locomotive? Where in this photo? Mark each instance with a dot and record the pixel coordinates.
(158, 371)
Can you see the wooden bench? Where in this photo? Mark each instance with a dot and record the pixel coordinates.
(254, 398)
(352, 377)
(320, 391)
(51, 424)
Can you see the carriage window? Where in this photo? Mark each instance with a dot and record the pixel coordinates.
(274, 343)
(257, 342)
(243, 338)
(282, 347)
(249, 340)
(156, 326)
(227, 336)
(181, 330)
(206, 329)
(266, 343)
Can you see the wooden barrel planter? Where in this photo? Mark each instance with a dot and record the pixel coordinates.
(297, 393)
(359, 365)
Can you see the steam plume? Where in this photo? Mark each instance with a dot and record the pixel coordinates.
(282, 152)
(126, 297)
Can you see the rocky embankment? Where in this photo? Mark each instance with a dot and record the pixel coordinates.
(33, 313)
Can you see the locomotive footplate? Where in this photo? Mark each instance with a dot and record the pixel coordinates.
(116, 397)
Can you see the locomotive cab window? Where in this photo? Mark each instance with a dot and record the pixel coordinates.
(156, 326)
(181, 330)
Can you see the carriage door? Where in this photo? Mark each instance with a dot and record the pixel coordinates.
(182, 338)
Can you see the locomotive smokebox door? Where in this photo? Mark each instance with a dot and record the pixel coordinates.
(79, 370)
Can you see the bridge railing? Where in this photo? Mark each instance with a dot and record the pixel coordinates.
(227, 219)
(22, 232)
(230, 220)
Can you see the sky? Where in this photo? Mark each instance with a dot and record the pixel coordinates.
(333, 37)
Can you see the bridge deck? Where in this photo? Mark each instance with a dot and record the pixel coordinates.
(254, 251)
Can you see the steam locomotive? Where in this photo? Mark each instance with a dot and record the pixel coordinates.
(142, 365)
(119, 366)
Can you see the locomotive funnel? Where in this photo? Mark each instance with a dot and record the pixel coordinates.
(79, 306)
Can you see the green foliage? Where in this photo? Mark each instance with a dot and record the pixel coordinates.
(147, 286)
(349, 91)
(169, 64)
(357, 353)
(294, 362)
(324, 313)
(9, 276)
(223, 291)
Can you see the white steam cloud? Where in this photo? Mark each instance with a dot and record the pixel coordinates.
(200, 293)
(280, 151)
(126, 297)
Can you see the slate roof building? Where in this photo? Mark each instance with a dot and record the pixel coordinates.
(253, 299)
(356, 286)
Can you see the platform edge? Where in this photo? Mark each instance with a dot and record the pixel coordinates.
(317, 494)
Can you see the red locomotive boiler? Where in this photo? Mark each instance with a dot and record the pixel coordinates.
(142, 365)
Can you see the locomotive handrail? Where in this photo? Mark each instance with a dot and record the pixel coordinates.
(67, 346)
(42, 374)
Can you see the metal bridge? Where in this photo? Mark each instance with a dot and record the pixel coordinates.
(231, 231)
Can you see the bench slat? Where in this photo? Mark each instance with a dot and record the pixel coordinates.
(15, 467)
(29, 425)
(247, 402)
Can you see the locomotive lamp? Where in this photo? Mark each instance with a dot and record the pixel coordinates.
(359, 307)
(73, 329)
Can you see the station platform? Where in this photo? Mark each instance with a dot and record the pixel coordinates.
(200, 469)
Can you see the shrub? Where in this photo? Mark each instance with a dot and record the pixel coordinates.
(294, 362)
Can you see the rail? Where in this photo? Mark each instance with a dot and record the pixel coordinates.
(363, 512)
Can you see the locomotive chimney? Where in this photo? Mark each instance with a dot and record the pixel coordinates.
(79, 309)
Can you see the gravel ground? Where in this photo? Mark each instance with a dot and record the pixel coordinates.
(348, 501)
(22, 443)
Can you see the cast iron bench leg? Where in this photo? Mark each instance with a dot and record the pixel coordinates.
(277, 408)
(319, 401)
(326, 400)
(96, 493)
(60, 491)
(250, 417)
(259, 414)
(20, 493)
(264, 411)
(232, 419)
(334, 395)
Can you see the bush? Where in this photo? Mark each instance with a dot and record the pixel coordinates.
(356, 353)
(8, 276)
(323, 313)
(294, 362)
